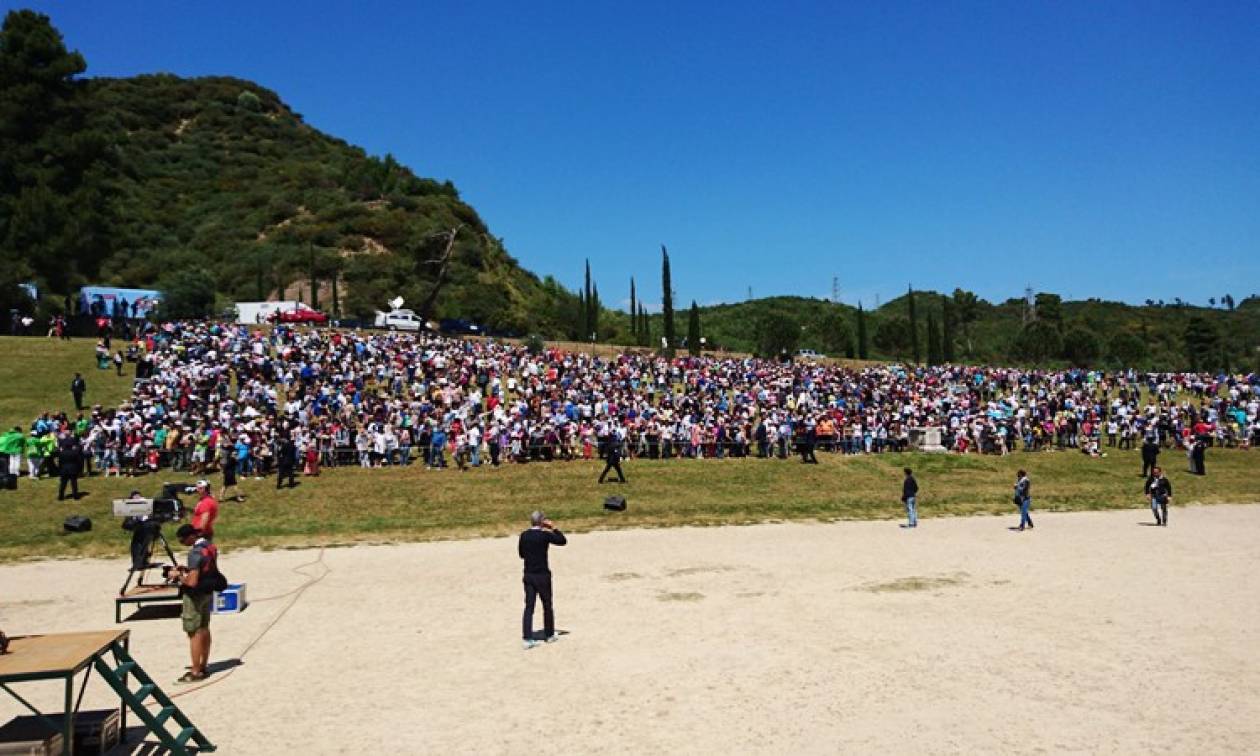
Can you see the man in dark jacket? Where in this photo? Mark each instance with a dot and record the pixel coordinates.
(78, 387)
(286, 461)
(1159, 494)
(69, 465)
(1198, 454)
(909, 494)
(532, 548)
(612, 456)
(1150, 454)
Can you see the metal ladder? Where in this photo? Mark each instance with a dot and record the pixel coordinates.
(154, 722)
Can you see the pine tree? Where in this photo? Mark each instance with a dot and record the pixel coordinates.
(693, 331)
(914, 326)
(933, 341)
(634, 316)
(862, 347)
(667, 303)
(947, 329)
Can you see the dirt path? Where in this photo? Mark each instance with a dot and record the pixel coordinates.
(1092, 633)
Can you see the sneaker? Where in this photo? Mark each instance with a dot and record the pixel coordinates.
(553, 638)
(530, 644)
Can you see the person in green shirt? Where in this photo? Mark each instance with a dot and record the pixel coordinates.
(38, 448)
(13, 444)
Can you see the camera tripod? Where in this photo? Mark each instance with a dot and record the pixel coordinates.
(144, 541)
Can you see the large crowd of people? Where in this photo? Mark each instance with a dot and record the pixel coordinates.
(247, 401)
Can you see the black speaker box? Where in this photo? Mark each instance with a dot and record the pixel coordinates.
(8, 482)
(615, 503)
(77, 524)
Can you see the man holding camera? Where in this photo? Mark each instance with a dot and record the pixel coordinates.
(194, 585)
(532, 548)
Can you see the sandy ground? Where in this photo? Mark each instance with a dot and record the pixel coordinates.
(1091, 633)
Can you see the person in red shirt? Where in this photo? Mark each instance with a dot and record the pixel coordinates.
(206, 511)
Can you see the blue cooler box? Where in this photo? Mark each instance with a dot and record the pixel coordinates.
(230, 601)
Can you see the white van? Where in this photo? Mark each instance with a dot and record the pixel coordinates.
(399, 320)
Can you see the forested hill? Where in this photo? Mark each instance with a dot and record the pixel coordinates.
(962, 327)
(214, 185)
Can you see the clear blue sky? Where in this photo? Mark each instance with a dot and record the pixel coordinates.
(1092, 149)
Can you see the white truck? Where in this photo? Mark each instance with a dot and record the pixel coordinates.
(399, 320)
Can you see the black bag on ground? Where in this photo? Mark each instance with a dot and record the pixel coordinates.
(77, 524)
(615, 503)
(8, 482)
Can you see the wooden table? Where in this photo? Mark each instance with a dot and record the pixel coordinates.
(58, 657)
(146, 594)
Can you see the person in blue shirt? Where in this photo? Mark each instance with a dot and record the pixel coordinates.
(437, 448)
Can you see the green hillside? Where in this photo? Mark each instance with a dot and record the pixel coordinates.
(215, 185)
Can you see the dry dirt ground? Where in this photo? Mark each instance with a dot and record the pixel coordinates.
(1094, 632)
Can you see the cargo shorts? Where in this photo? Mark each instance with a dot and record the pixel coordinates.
(196, 614)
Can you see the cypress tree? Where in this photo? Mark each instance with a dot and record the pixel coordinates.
(586, 304)
(862, 350)
(594, 317)
(947, 329)
(933, 341)
(667, 303)
(693, 330)
(914, 326)
(634, 314)
(580, 324)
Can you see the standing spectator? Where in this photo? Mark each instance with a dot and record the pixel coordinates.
(532, 549)
(118, 362)
(1150, 454)
(1159, 494)
(38, 448)
(909, 494)
(227, 462)
(12, 445)
(1198, 454)
(69, 466)
(286, 462)
(1023, 498)
(206, 511)
(78, 387)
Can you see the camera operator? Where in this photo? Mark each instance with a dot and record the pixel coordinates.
(206, 511)
(197, 598)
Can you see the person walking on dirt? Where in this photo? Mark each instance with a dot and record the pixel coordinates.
(1159, 495)
(1023, 499)
(909, 495)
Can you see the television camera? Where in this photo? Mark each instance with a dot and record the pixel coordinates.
(144, 518)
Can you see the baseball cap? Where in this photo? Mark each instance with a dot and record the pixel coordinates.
(203, 484)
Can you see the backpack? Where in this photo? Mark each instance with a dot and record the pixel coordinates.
(211, 579)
